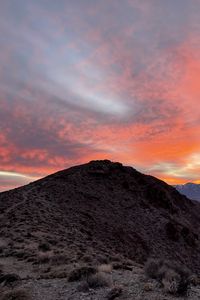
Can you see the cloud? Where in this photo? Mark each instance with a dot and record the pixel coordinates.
(11, 180)
(85, 80)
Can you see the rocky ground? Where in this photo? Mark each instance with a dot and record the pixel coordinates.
(124, 283)
(89, 215)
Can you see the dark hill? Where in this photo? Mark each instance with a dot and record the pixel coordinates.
(101, 209)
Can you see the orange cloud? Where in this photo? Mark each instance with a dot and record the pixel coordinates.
(109, 80)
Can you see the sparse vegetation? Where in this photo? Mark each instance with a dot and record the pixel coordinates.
(16, 294)
(152, 268)
(100, 279)
(83, 287)
(194, 280)
(171, 281)
(81, 273)
(106, 268)
(115, 292)
(174, 278)
(9, 279)
(44, 257)
(44, 246)
(88, 248)
(54, 274)
(148, 286)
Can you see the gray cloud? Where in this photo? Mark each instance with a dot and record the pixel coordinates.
(73, 72)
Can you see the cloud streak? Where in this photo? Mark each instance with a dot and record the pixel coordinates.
(87, 80)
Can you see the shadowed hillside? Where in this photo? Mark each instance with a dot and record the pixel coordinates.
(100, 209)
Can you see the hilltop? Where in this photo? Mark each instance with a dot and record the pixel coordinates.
(99, 212)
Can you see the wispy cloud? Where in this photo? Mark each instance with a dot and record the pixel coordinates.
(81, 80)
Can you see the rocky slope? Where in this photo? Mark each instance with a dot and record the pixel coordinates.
(100, 212)
(104, 208)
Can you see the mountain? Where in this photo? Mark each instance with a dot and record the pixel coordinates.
(96, 211)
(191, 190)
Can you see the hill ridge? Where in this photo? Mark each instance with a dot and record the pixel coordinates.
(102, 208)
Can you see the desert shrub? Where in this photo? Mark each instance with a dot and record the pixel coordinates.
(83, 287)
(182, 270)
(44, 257)
(115, 292)
(59, 259)
(174, 277)
(16, 294)
(171, 281)
(9, 279)
(81, 273)
(116, 257)
(52, 241)
(172, 231)
(54, 274)
(148, 286)
(152, 268)
(87, 258)
(106, 268)
(44, 246)
(2, 248)
(102, 259)
(98, 280)
(194, 280)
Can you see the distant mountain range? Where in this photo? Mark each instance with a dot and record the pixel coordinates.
(191, 190)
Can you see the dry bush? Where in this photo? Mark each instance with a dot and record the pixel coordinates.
(102, 259)
(44, 257)
(44, 246)
(148, 286)
(55, 274)
(106, 268)
(194, 280)
(83, 287)
(182, 271)
(9, 280)
(16, 294)
(152, 268)
(59, 259)
(171, 281)
(98, 280)
(115, 292)
(116, 257)
(87, 258)
(81, 273)
(175, 278)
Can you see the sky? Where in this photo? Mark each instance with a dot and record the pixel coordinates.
(99, 79)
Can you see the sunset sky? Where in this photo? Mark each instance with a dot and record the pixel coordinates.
(94, 79)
